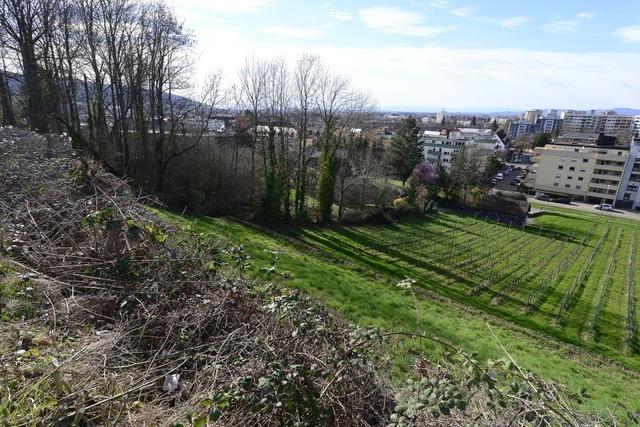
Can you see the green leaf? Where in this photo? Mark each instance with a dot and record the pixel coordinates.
(200, 422)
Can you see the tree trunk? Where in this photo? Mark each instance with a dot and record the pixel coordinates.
(8, 117)
(33, 87)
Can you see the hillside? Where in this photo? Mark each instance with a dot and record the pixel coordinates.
(114, 312)
(110, 317)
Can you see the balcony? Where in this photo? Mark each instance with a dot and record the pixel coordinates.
(603, 186)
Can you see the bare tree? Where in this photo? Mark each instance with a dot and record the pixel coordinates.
(188, 125)
(252, 93)
(306, 75)
(26, 22)
(275, 143)
(467, 168)
(340, 107)
(6, 103)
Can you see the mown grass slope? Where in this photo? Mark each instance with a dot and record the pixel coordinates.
(469, 273)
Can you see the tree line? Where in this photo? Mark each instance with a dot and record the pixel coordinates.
(117, 77)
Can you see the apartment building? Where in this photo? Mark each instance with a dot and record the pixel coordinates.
(610, 123)
(549, 124)
(522, 127)
(585, 172)
(629, 192)
(532, 116)
(441, 147)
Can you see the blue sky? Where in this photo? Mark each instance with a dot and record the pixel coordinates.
(459, 55)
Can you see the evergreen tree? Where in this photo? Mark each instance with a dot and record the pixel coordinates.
(405, 151)
(494, 126)
(541, 139)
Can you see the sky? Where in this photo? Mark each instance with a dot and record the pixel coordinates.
(475, 55)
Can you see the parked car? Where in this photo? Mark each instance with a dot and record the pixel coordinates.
(499, 177)
(543, 197)
(604, 207)
(563, 200)
(494, 181)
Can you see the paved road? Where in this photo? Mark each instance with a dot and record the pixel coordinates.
(586, 207)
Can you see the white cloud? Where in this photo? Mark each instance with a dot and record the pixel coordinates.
(294, 32)
(586, 15)
(439, 4)
(230, 6)
(393, 20)
(514, 21)
(561, 26)
(564, 26)
(341, 16)
(433, 77)
(463, 12)
(629, 34)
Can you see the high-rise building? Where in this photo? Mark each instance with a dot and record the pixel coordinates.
(610, 123)
(521, 127)
(442, 115)
(532, 116)
(549, 124)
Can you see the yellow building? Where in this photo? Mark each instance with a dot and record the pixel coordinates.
(585, 172)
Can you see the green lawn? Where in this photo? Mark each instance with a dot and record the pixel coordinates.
(471, 272)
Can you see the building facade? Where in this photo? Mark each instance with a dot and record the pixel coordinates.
(549, 125)
(532, 116)
(609, 123)
(521, 127)
(629, 192)
(585, 172)
(441, 147)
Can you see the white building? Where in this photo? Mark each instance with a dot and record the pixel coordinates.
(532, 116)
(442, 115)
(440, 147)
(636, 126)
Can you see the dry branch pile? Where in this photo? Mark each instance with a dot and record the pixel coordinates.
(132, 322)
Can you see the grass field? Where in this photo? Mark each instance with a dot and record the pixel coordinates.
(558, 293)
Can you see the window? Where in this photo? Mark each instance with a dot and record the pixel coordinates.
(570, 177)
(567, 186)
(560, 167)
(580, 178)
(572, 168)
(585, 160)
(556, 184)
(583, 170)
(578, 187)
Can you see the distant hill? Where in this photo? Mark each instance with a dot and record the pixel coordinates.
(16, 81)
